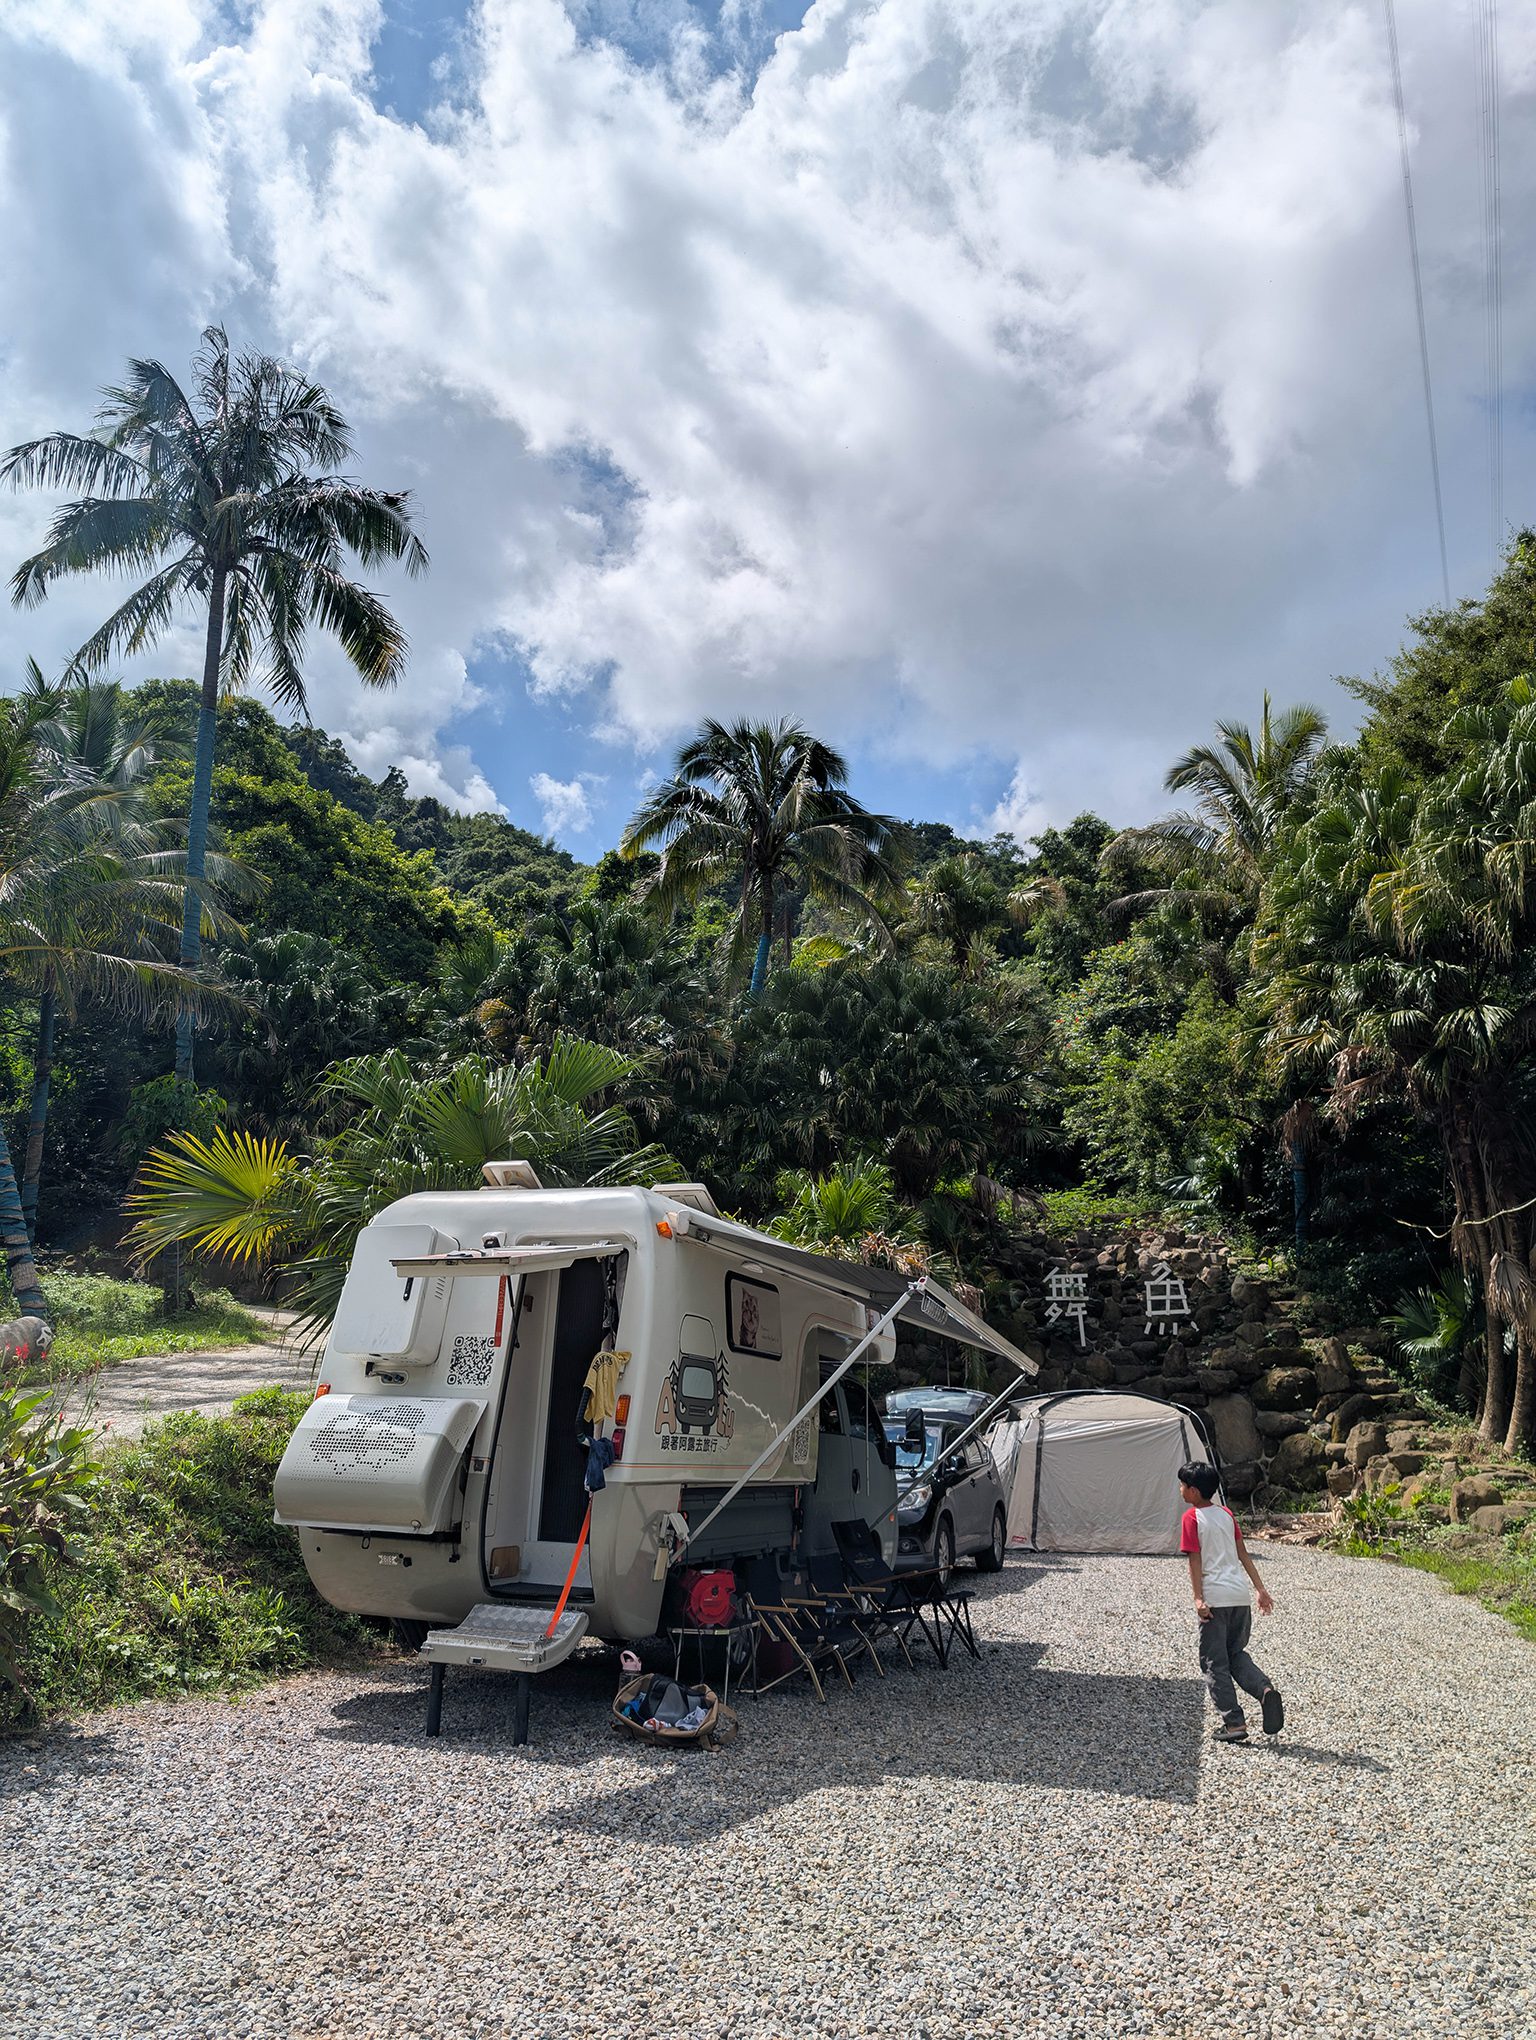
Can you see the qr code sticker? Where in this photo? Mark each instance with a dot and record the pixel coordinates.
(470, 1360)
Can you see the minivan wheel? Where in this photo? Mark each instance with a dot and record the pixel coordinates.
(991, 1560)
(944, 1550)
(409, 1636)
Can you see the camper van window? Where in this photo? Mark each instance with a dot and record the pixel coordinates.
(752, 1321)
(831, 1417)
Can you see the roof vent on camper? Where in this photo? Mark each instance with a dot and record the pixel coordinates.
(510, 1176)
(692, 1194)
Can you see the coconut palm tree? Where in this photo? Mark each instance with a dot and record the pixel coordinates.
(94, 763)
(1245, 787)
(230, 501)
(763, 807)
(72, 911)
(257, 1202)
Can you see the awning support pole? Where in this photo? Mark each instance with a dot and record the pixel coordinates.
(805, 1410)
(955, 1444)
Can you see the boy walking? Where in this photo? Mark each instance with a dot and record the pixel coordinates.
(1219, 1574)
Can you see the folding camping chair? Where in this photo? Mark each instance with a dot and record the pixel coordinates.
(813, 1630)
(941, 1610)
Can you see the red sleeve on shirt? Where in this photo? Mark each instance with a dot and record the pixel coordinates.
(1189, 1532)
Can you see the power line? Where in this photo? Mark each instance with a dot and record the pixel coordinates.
(1418, 293)
(1487, 20)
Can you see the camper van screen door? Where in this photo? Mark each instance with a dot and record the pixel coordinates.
(752, 1322)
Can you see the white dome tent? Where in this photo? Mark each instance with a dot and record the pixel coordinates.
(1094, 1469)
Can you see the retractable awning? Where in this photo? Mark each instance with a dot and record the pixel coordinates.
(534, 1257)
(925, 1307)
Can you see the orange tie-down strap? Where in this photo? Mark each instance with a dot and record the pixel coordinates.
(570, 1578)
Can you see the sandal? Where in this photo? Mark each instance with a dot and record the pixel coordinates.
(1274, 1711)
(1236, 1732)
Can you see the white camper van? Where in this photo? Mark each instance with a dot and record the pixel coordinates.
(441, 1465)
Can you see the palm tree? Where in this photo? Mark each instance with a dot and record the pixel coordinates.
(957, 902)
(763, 807)
(94, 763)
(72, 911)
(1395, 944)
(255, 1201)
(231, 496)
(1245, 788)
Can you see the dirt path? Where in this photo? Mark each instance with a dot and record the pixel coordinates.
(126, 1397)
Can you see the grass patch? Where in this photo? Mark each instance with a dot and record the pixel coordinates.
(1085, 1209)
(186, 1585)
(99, 1320)
(1499, 1572)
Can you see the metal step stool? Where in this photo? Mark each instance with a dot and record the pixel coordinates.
(499, 1638)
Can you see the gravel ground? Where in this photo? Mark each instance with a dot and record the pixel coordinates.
(1045, 1843)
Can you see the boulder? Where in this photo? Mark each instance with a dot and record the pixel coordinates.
(1350, 1412)
(1342, 1480)
(1418, 1486)
(1299, 1462)
(1381, 1473)
(1252, 1333)
(1252, 1295)
(1279, 1423)
(1215, 1380)
(1127, 1371)
(1476, 1492)
(1365, 1442)
(1286, 1388)
(1099, 1369)
(1334, 1373)
(1230, 1418)
(1246, 1366)
(1241, 1478)
(1408, 1463)
(1284, 1338)
(1402, 1438)
(1493, 1521)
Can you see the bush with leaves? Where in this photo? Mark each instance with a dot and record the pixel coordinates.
(46, 1485)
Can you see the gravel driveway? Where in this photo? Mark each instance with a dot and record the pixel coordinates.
(1042, 1844)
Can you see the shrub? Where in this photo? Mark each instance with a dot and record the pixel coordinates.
(188, 1585)
(46, 1484)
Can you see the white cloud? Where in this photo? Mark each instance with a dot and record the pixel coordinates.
(1036, 380)
(1020, 812)
(566, 804)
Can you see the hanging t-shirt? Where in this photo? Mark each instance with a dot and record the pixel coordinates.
(1212, 1531)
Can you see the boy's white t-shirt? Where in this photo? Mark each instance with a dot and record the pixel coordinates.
(1212, 1531)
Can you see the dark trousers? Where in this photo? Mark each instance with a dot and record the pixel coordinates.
(1224, 1660)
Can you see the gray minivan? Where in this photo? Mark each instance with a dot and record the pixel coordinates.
(952, 1501)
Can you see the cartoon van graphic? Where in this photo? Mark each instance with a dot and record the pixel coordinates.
(695, 1394)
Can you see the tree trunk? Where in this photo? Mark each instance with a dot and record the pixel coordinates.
(764, 945)
(37, 1125)
(197, 820)
(1299, 1196)
(1521, 1433)
(1475, 1247)
(19, 1263)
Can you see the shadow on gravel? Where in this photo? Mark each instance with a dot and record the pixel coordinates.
(1003, 1722)
(54, 1757)
(1334, 1760)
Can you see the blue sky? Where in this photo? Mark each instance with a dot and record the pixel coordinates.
(1006, 388)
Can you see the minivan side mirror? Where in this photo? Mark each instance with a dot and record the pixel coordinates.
(917, 1431)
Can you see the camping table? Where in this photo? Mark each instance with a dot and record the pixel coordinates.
(747, 1626)
(500, 1638)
